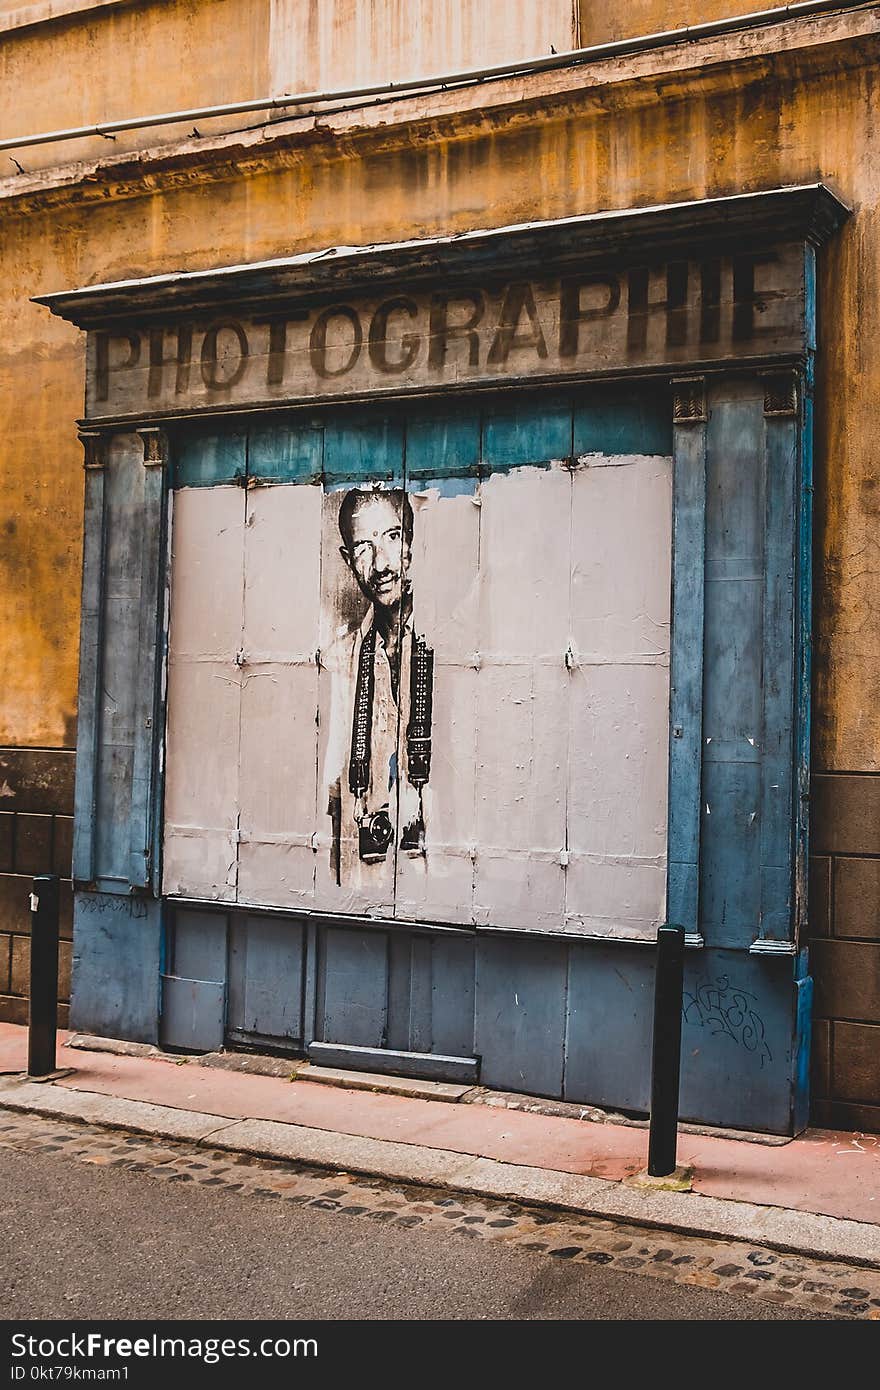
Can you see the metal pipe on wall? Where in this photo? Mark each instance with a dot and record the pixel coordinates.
(440, 82)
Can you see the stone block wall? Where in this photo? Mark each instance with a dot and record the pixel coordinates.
(36, 825)
(845, 950)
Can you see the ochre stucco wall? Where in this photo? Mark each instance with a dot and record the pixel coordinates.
(317, 44)
(153, 56)
(138, 60)
(698, 144)
(600, 21)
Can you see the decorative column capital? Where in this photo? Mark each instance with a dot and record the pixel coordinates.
(94, 449)
(688, 400)
(780, 392)
(155, 442)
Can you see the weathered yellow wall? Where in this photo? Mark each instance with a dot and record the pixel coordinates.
(699, 144)
(153, 56)
(111, 64)
(318, 44)
(604, 20)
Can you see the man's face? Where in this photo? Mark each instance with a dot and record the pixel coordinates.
(378, 552)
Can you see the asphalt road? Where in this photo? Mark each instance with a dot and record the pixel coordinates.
(81, 1238)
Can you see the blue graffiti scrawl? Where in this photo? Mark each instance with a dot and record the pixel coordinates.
(729, 1012)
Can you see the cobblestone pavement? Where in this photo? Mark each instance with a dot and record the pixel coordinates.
(821, 1287)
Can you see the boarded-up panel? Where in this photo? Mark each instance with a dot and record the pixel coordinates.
(608, 1039)
(447, 523)
(452, 997)
(277, 786)
(737, 1040)
(198, 948)
(206, 460)
(204, 693)
(266, 978)
(441, 670)
(192, 1014)
(286, 452)
(619, 694)
(116, 964)
(279, 694)
(522, 726)
(520, 1014)
(353, 988)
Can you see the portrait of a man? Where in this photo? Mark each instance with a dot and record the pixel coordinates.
(379, 753)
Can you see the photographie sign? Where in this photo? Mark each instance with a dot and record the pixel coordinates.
(705, 309)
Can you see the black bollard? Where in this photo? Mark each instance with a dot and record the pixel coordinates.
(43, 1019)
(666, 1060)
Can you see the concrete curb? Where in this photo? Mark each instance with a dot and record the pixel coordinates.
(800, 1232)
(807, 1233)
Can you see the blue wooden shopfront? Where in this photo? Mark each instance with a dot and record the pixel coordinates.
(677, 346)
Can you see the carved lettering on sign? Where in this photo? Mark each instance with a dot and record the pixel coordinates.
(685, 312)
(710, 302)
(220, 372)
(442, 331)
(573, 311)
(181, 359)
(512, 333)
(409, 342)
(277, 325)
(749, 298)
(102, 359)
(318, 347)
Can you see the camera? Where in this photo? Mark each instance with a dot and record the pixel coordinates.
(412, 839)
(375, 833)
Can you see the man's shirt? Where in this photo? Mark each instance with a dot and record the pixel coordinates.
(389, 787)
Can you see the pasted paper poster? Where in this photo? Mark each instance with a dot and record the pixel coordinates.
(437, 699)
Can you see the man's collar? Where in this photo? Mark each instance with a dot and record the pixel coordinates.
(369, 621)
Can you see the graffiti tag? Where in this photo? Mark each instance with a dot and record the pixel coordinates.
(729, 1012)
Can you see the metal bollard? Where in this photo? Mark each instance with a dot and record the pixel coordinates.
(666, 1059)
(43, 1018)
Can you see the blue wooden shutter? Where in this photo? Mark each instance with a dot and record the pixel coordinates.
(119, 660)
(739, 682)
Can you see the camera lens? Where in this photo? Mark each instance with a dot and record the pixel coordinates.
(381, 830)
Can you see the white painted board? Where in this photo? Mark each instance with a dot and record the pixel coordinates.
(542, 595)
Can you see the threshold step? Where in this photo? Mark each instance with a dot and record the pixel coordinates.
(411, 1066)
(409, 1086)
